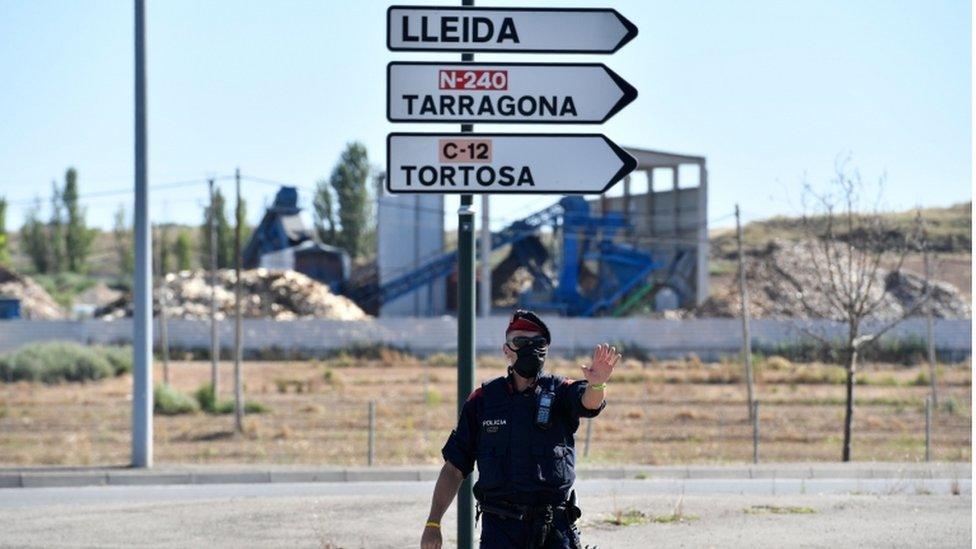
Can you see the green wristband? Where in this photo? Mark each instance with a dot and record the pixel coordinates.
(599, 386)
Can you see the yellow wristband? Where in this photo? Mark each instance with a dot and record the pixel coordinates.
(433, 524)
(599, 386)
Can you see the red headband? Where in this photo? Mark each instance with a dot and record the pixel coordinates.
(525, 325)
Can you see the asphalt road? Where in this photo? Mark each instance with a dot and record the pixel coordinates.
(719, 513)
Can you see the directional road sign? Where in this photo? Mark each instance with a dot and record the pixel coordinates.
(504, 163)
(504, 92)
(523, 30)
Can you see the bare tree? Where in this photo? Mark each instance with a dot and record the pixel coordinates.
(850, 247)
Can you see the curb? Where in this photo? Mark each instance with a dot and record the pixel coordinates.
(134, 477)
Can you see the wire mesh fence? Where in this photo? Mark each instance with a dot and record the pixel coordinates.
(316, 413)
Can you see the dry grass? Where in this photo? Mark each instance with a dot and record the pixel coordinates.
(660, 412)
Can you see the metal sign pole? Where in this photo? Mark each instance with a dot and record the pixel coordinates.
(465, 379)
(142, 333)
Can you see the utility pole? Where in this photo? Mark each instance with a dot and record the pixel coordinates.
(484, 295)
(214, 341)
(929, 329)
(744, 298)
(161, 290)
(142, 338)
(238, 372)
(465, 378)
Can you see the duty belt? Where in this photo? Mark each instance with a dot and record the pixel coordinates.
(539, 517)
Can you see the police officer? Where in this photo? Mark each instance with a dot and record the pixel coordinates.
(519, 431)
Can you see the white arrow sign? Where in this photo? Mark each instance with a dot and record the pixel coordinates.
(524, 30)
(504, 163)
(504, 92)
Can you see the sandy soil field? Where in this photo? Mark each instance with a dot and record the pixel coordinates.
(663, 412)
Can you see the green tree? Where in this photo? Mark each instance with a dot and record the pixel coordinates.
(183, 251)
(34, 239)
(241, 218)
(122, 237)
(348, 180)
(56, 254)
(165, 254)
(325, 223)
(225, 233)
(77, 237)
(4, 243)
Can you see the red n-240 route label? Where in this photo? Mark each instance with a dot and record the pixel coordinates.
(472, 80)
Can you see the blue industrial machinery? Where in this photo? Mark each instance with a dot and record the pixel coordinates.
(9, 308)
(281, 241)
(586, 240)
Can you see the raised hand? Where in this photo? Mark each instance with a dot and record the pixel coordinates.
(605, 358)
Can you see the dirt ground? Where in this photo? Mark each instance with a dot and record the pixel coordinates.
(659, 413)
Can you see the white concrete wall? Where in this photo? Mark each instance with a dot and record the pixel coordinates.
(705, 337)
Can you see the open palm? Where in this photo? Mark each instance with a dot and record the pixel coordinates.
(605, 358)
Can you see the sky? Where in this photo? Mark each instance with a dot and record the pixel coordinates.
(771, 92)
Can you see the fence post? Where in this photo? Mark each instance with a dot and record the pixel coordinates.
(755, 431)
(928, 428)
(586, 444)
(372, 430)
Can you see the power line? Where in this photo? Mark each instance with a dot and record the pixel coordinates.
(117, 192)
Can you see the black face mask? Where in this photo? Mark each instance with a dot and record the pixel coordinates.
(530, 360)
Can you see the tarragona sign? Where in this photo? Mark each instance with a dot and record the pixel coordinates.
(486, 105)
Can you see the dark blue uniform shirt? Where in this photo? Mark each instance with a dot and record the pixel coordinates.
(519, 462)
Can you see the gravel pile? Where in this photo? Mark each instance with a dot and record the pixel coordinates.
(35, 302)
(281, 295)
(778, 279)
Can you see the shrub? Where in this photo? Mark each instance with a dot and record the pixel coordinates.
(168, 401)
(331, 377)
(57, 361)
(631, 350)
(205, 398)
(344, 360)
(953, 406)
(432, 397)
(208, 403)
(442, 360)
(120, 357)
(907, 351)
(921, 380)
(250, 407)
(777, 363)
(820, 374)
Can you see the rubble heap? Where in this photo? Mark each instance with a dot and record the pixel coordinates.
(281, 295)
(35, 302)
(777, 279)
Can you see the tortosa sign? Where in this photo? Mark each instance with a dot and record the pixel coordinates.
(504, 163)
(505, 92)
(525, 30)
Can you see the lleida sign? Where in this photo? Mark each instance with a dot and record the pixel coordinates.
(578, 93)
(500, 163)
(524, 30)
